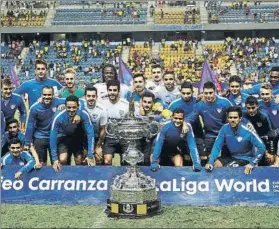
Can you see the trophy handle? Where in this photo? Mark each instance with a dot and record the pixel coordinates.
(153, 129)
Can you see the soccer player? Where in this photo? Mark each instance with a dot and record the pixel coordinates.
(70, 85)
(170, 145)
(16, 156)
(213, 113)
(109, 73)
(256, 117)
(67, 136)
(3, 127)
(187, 102)
(234, 94)
(117, 108)
(10, 102)
(274, 81)
(156, 80)
(98, 117)
(13, 131)
(245, 147)
(39, 122)
(167, 92)
(33, 88)
(268, 105)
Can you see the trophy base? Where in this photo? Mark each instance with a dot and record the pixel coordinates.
(133, 210)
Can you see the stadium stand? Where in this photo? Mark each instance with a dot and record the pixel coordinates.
(242, 12)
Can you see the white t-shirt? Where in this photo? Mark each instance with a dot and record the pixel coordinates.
(103, 92)
(98, 117)
(116, 111)
(152, 85)
(167, 96)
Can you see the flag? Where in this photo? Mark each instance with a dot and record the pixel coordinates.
(124, 75)
(14, 78)
(208, 75)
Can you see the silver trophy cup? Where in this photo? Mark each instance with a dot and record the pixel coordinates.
(133, 194)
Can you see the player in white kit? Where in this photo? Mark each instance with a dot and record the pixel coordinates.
(117, 108)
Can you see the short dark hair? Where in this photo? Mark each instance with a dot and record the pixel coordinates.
(168, 73)
(251, 100)
(156, 66)
(48, 87)
(72, 98)
(10, 121)
(90, 88)
(15, 141)
(235, 109)
(275, 69)
(39, 61)
(187, 84)
(178, 111)
(109, 66)
(235, 78)
(139, 75)
(209, 85)
(149, 95)
(113, 83)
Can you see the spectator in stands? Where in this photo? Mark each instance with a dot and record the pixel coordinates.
(213, 113)
(117, 108)
(33, 88)
(170, 146)
(67, 136)
(70, 85)
(11, 102)
(241, 143)
(16, 156)
(98, 117)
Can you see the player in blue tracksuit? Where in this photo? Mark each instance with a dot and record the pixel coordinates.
(39, 122)
(188, 103)
(234, 94)
(33, 88)
(273, 79)
(3, 127)
(18, 157)
(245, 146)
(213, 113)
(171, 145)
(268, 105)
(10, 102)
(67, 137)
(12, 132)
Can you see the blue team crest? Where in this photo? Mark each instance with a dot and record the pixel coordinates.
(12, 106)
(239, 138)
(274, 112)
(121, 113)
(95, 116)
(219, 110)
(54, 109)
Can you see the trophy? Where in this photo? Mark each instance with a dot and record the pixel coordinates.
(133, 194)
